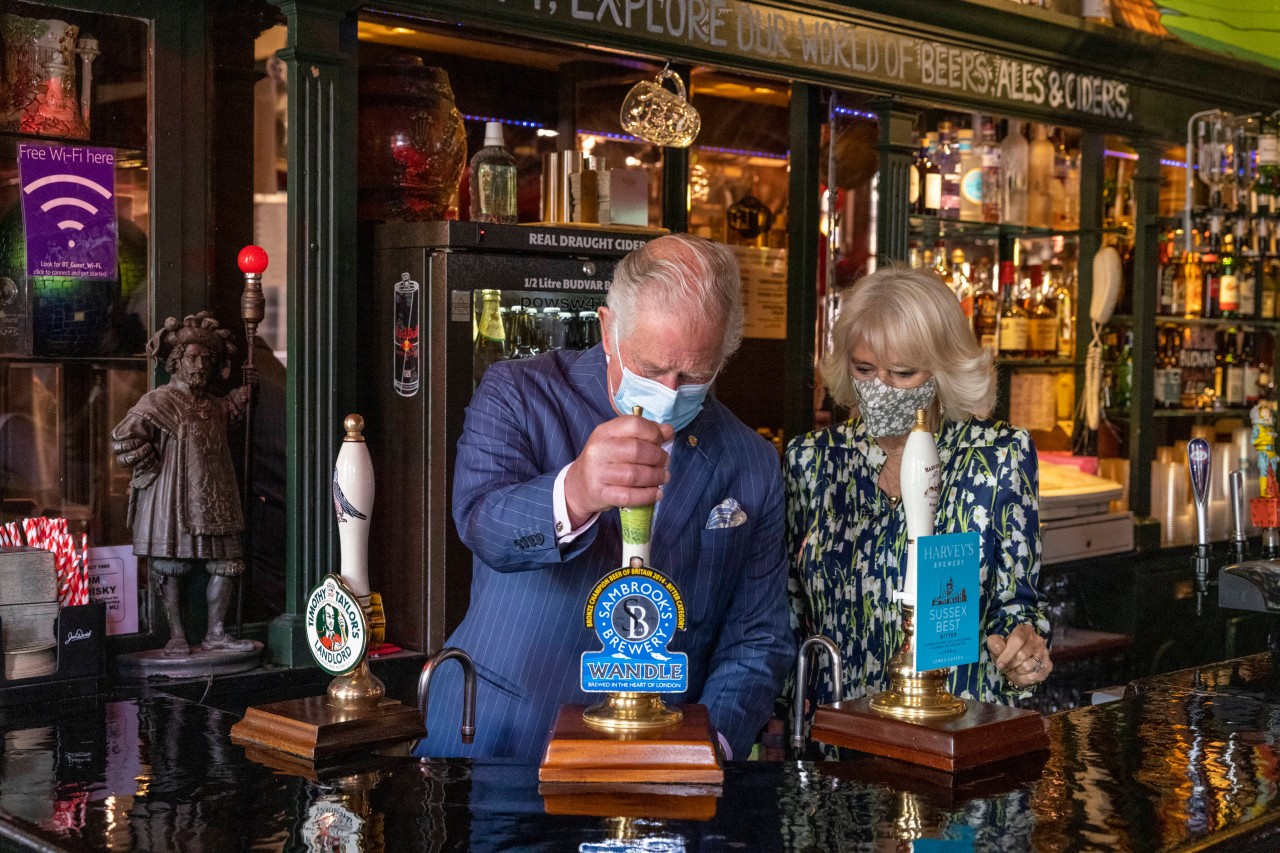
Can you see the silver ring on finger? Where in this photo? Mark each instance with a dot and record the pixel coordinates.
(1039, 663)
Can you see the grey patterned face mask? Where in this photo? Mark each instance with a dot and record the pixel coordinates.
(892, 411)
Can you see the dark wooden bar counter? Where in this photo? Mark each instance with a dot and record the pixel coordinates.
(1187, 761)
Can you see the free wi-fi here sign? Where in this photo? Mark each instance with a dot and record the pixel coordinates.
(68, 210)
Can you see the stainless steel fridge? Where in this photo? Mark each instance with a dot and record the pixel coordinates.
(427, 279)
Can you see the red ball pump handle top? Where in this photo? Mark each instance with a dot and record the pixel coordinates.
(252, 260)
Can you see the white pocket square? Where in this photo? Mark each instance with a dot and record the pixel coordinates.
(729, 513)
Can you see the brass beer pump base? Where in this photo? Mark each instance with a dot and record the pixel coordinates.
(353, 716)
(629, 712)
(683, 753)
(985, 734)
(918, 721)
(915, 695)
(358, 689)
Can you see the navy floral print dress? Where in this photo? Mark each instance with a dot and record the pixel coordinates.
(847, 543)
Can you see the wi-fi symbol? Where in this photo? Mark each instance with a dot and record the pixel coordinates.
(68, 201)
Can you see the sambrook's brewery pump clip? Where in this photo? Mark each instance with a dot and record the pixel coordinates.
(631, 735)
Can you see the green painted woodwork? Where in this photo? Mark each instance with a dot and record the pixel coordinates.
(803, 258)
(321, 57)
(896, 152)
(1146, 272)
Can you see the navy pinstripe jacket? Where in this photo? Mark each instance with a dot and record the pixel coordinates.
(524, 628)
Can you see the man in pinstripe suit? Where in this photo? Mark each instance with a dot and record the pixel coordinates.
(544, 459)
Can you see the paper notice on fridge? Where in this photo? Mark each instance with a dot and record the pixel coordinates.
(1033, 402)
(764, 291)
(113, 578)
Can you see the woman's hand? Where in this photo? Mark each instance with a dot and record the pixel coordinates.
(1023, 656)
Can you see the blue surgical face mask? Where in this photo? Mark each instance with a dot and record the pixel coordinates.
(677, 407)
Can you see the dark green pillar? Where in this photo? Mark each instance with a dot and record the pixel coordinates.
(675, 174)
(1146, 276)
(1092, 172)
(896, 151)
(803, 213)
(321, 59)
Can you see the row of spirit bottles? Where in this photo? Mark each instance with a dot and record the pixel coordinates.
(1030, 315)
(1205, 368)
(1231, 276)
(957, 176)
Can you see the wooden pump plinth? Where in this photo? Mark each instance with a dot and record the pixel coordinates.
(983, 734)
(316, 729)
(681, 753)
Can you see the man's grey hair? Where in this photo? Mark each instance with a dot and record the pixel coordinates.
(681, 276)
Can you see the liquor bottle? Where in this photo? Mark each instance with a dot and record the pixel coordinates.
(1252, 369)
(1065, 306)
(1013, 319)
(949, 166)
(1160, 391)
(1169, 274)
(1059, 210)
(493, 179)
(1211, 274)
(940, 266)
(1042, 320)
(1040, 180)
(1073, 190)
(992, 175)
(1235, 369)
(1229, 281)
(1171, 378)
(491, 337)
(986, 307)
(1194, 281)
(970, 177)
(1267, 183)
(1271, 288)
(1219, 365)
(1247, 272)
(915, 178)
(932, 199)
(961, 283)
(1173, 369)
(1014, 154)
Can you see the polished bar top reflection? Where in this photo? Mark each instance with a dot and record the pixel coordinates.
(1186, 761)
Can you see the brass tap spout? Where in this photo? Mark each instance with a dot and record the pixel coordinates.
(802, 682)
(469, 687)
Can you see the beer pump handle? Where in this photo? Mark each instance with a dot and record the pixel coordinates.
(1239, 539)
(637, 525)
(1198, 465)
(353, 504)
(920, 481)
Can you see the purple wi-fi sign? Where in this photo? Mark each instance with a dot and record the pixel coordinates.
(69, 210)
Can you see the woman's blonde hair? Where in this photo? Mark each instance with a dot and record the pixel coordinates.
(910, 318)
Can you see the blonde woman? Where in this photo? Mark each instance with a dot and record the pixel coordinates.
(900, 343)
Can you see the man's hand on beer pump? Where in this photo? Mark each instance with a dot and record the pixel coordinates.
(622, 464)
